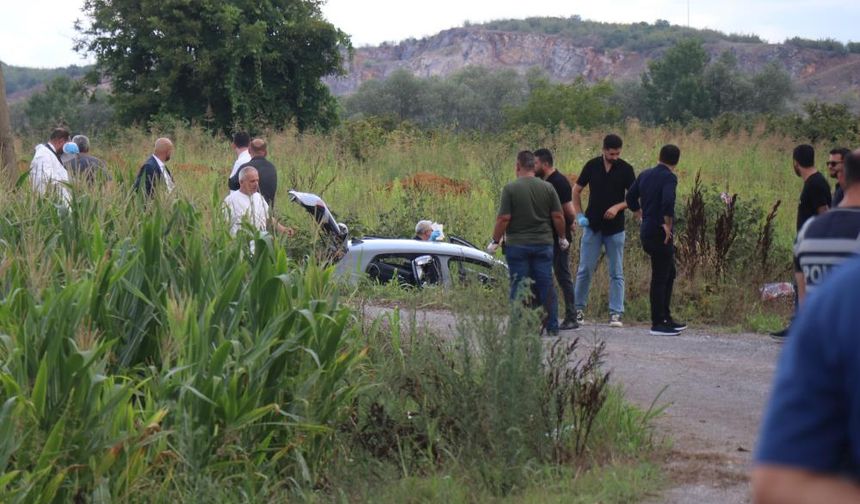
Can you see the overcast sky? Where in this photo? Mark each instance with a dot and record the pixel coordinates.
(371, 22)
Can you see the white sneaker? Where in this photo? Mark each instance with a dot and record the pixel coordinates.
(580, 317)
(615, 320)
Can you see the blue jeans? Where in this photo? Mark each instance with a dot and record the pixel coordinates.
(589, 253)
(534, 262)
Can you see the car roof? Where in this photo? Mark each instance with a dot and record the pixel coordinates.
(378, 246)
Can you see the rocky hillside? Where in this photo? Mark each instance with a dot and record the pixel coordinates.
(828, 75)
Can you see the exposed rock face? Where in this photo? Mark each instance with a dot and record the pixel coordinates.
(563, 59)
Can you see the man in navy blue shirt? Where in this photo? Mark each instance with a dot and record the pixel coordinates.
(654, 193)
(809, 448)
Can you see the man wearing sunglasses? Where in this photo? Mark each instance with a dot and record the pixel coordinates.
(836, 167)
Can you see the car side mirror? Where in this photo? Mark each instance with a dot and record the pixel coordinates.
(425, 270)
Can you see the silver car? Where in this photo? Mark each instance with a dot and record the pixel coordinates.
(406, 261)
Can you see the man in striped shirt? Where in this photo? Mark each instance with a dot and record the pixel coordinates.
(828, 240)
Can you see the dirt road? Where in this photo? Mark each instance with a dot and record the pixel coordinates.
(716, 386)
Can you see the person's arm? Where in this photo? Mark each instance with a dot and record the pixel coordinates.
(502, 222)
(784, 485)
(577, 198)
(667, 229)
(612, 211)
(632, 197)
(565, 196)
(800, 280)
(569, 210)
(558, 224)
(233, 182)
(583, 180)
(667, 205)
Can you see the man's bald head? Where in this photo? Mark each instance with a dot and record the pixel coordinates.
(163, 149)
(258, 147)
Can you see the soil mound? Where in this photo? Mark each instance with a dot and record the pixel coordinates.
(433, 183)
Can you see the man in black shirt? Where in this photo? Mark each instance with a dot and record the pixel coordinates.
(654, 193)
(561, 258)
(815, 199)
(267, 171)
(836, 165)
(828, 240)
(608, 177)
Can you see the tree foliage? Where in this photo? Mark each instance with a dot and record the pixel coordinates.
(826, 122)
(471, 99)
(23, 78)
(8, 168)
(633, 37)
(224, 63)
(63, 101)
(575, 105)
(684, 85)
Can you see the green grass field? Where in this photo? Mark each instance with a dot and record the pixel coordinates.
(145, 356)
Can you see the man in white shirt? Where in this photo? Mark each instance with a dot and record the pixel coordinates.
(241, 141)
(155, 171)
(247, 204)
(47, 174)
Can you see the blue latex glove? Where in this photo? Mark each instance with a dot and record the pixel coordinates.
(434, 235)
(582, 220)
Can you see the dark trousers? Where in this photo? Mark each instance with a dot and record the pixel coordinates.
(662, 276)
(561, 267)
(534, 262)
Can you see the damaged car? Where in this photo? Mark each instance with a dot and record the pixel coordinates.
(406, 261)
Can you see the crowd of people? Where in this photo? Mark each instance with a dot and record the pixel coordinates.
(540, 211)
(253, 180)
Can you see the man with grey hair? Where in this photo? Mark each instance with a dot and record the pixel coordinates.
(247, 204)
(268, 173)
(84, 166)
(154, 172)
(423, 230)
(47, 174)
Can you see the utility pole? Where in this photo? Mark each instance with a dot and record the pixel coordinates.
(688, 13)
(8, 166)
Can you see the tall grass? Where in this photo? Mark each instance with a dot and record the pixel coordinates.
(148, 356)
(142, 353)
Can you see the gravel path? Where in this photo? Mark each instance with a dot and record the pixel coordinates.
(715, 386)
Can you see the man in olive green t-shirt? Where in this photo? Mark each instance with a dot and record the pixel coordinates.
(528, 212)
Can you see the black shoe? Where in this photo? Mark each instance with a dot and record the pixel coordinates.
(780, 335)
(551, 334)
(569, 325)
(664, 330)
(677, 325)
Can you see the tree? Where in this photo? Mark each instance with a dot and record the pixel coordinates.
(576, 105)
(728, 89)
(674, 84)
(471, 99)
(224, 63)
(65, 101)
(7, 147)
(772, 87)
